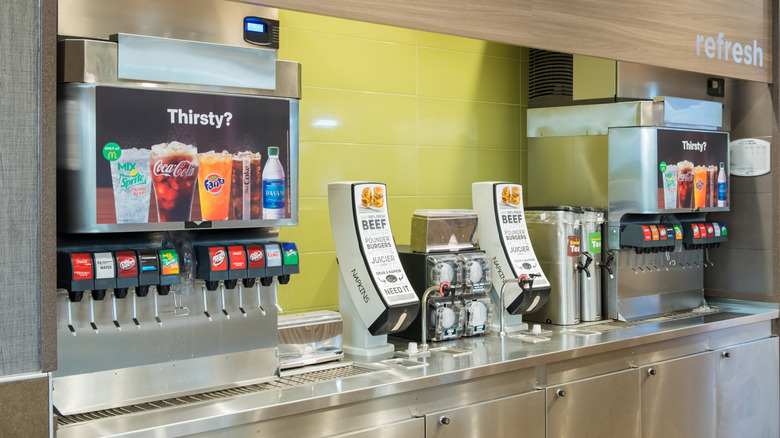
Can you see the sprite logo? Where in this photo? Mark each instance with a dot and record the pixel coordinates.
(129, 176)
(213, 183)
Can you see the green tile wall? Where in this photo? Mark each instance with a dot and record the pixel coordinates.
(425, 113)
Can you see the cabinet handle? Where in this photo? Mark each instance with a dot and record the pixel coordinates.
(444, 421)
(652, 372)
(560, 393)
(726, 354)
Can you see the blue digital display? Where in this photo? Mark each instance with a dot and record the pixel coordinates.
(252, 26)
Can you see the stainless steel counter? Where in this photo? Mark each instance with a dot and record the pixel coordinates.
(356, 394)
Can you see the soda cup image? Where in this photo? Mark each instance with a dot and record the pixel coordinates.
(174, 168)
(214, 180)
(132, 186)
(670, 186)
(246, 195)
(700, 186)
(684, 184)
(712, 186)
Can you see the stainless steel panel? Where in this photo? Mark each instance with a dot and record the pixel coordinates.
(596, 407)
(639, 81)
(25, 155)
(215, 21)
(95, 62)
(496, 368)
(678, 398)
(414, 428)
(635, 308)
(633, 177)
(499, 418)
(145, 58)
(571, 121)
(24, 400)
(152, 360)
(679, 111)
(568, 171)
(747, 382)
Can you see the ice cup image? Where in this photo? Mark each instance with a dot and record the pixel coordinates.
(684, 184)
(174, 169)
(132, 185)
(214, 180)
(246, 188)
(670, 186)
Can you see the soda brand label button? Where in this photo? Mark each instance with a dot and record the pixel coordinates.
(237, 257)
(256, 258)
(82, 266)
(218, 257)
(128, 267)
(104, 265)
(169, 260)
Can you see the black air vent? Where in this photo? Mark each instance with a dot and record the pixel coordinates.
(550, 77)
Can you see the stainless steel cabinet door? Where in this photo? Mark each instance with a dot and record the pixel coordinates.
(604, 406)
(414, 428)
(748, 386)
(678, 398)
(520, 416)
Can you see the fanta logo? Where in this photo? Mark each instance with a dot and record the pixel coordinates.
(126, 264)
(213, 183)
(255, 256)
(699, 184)
(178, 170)
(218, 258)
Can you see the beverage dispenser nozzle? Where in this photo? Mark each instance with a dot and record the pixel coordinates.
(212, 266)
(584, 267)
(607, 264)
(74, 274)
(224, 306)
(526, 283)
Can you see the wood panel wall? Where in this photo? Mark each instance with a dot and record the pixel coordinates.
(666, 33)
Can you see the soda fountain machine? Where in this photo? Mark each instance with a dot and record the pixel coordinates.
(658, 168)
(177, 164)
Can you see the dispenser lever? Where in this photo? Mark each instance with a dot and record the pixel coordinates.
(113, 313)
(70, 318)
(156, 313)
(92, 313)
(241, 299)
(205, 303)
(584, 268)
(224, 306)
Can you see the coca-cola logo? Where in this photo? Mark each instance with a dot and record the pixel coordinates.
(182, 169)
(126, 264)
(218, 258)
(255, 256)
(685, 176)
